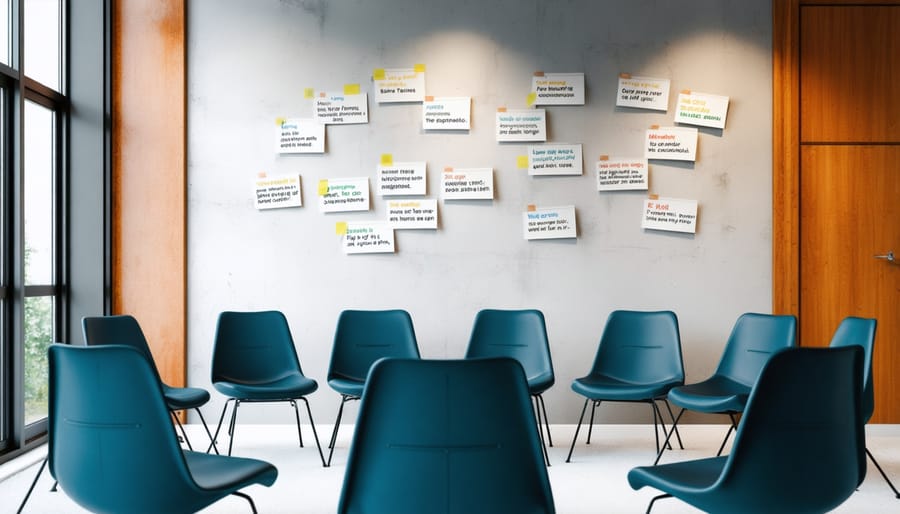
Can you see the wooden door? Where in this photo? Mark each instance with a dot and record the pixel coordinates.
(849, 181)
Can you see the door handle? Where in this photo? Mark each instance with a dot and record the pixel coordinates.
(888, 256)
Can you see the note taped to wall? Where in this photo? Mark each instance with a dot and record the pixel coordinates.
(345, 195)
(300, 135)
(701, 109)
(401, 178)
(555, 159)
(558, 89)
(413, 214)
(339, 109)
(399, 85)
(670, 214)
(671, 143)
(549, 223)
(368, 237)
(447, 113)
(467, 184)
(522, 125)
(622, 174)
(277, 192)
(643, 93)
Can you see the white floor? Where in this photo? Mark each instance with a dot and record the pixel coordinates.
(595, 480)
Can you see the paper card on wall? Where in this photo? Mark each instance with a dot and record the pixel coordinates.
(558, 89)
(401, 178)
(277, 192)
(622, 175)
(522, 125)
(413, 214)
(299, 135)
(555, 159)
(549, 223)
(643, 93)
(399, 85)
(468, 184)
(368, 237)
(671, 143)
(701, 109)
(447, 113)
(340, 109)
(671, 214)
(345, 194)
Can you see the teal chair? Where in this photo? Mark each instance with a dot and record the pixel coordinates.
(800, 446)
(638, 360)
(754, 338)
(861, 332)
(254, 361)
(446, 437)
(519, 335)
(360, 339)
(113, 448)
(124, 329)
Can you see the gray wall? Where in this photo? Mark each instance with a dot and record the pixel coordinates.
(250, 61)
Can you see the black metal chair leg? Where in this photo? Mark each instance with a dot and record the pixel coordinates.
(315, 434)
(668, 436)
(591, 426)
(727, 434)
(546, 419)
(883, 474)
(672, 417)
(219, 425)
(237, 403)
(208, 433)
(655, 425)
(577, 428)
(660, 497)
(297, 415)
(537, 418)
(662, 422)
(248, 498)
(31, 488)
(334, 433)
(181, 427)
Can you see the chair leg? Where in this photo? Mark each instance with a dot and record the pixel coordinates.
(672, 417)
(313, 425)
(657, 414)
(248, 498)
(883, 474)
(733, 427)
(181, 427)
(219, 425)
(33, 483)
(337, 425)
(591, 426)
(668, 436)
(660, 497)
(546, 419)
(577, 428)
(237, 403)
(537, 418)
(208, 433)
(297, 415)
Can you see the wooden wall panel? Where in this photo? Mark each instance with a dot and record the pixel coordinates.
(149, 175)
(850, 83)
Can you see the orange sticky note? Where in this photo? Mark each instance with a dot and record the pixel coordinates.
(387, 159)
(604, 157)
(531, 98)
(429, 98)
(654, 127)
(653, 197)
(261, 174)
(279, 121)
(419, 68)
(501, 109)
(522, 162)
(378, 74)
(685, 91)
(531, 208)
(448, 169)
(539, 74)
(323, 187)
(309, 93)
(624, 75)
(340, 228)
(351, 89)
(322, 94)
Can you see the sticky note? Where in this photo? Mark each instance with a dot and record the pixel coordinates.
(654, 127)
(419, 68)
(279, 121)
(653, 197)
(322, 94)
(624, 75)
(604, 157)
(448, 169)
(501, 109)
(685, 91)
(261, 174)
(539, 74)
(429, 98)
(351, 89)
(378, 74)
(323, 187)
(531, 98)
(309, 93)
(387, 159)
(340, 228)
(522, 162)
(532, 208)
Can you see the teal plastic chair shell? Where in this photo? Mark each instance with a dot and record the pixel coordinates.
(442, 437)
(638, 359)
(125, 329)
(361, 338)
(254, 360)
(113, 448)
(799, 448)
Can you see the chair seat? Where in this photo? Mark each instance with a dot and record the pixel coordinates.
(217, 472)
(347, 386)
(540, 383)
(604, 387)
(289, 386)
(695, 475)
(178, 398)
(714, 395)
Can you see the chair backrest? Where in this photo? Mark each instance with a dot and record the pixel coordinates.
(517, 334)
(640, 348)
(363, 337)
(800, 446)
(253, 347)
(120, 329)
(112, 445)
(860, 332)
(753, 340)
(452, 436)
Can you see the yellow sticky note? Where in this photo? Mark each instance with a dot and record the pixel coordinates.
(309, 93)
(279, 121)
(340, 228)
(351, 89)
(323, 187)
(378, 74)
(531, 98)
(387, 159)
(419, 68)
(522, 162)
